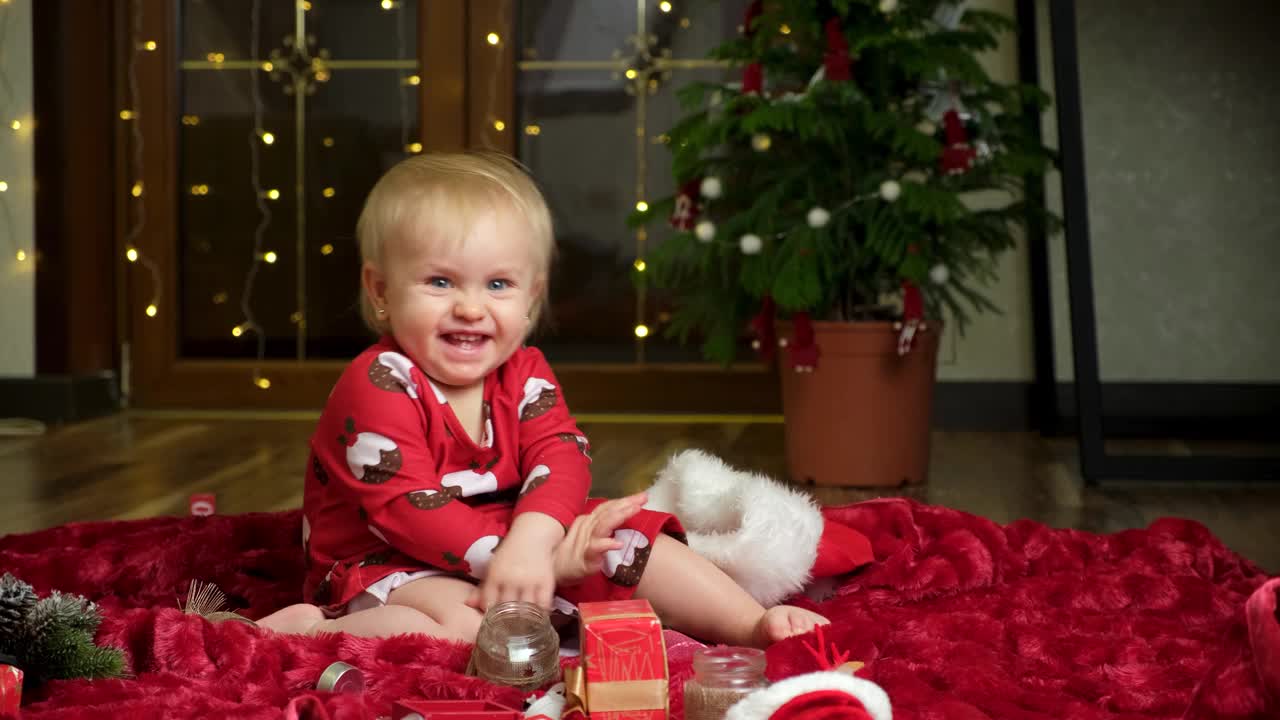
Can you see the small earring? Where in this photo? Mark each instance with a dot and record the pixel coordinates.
(381, 311)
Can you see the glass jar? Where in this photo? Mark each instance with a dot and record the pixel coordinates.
(516, 646)
(722, 676)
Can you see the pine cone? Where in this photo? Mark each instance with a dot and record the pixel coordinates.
(62, 610)
(17, 599)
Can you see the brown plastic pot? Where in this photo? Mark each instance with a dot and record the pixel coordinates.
(862, 418)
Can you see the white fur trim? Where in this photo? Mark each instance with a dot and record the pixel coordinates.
(761, 533)
(761, 704)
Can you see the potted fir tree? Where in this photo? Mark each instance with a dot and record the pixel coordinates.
(857, 184)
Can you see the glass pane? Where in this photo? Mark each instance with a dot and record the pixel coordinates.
(338, 114)
(357, 127)
(583, 129)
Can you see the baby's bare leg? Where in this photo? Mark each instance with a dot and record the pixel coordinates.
(694, 596)
(443, 600)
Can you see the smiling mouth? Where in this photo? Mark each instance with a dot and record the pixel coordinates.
(464, 340)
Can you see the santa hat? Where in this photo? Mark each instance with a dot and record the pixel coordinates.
(773, 540)
(828, 695)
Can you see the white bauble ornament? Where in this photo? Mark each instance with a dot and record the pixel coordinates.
(888, 6)
(705, 230)
(760, 142)
(818, 217)
(711, 187)
(890, 190)
(939, 274)
(927, 127)
(750, 244)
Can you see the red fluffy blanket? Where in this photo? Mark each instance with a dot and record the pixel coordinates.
(959, 619)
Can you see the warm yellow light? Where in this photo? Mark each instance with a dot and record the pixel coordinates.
(664, 6)
(295, 318)
(127, 115)
(499, 125)
(191, 120)
(532, 130)
(642, 206)
(387, 4)
(152, 310)
(414, 147)
(137, 189)
(493, 38)
(306, 4)
(131, 254)
(327, 142)
(642, 331)
(322, 76)
(640, 266)
(413, 80)
(200, 189)
(273, 194)
(270, 256)
(684, 22)
(631, 73)
(215, 57)
(268, 138)
(330, 192)
(237, 331)
(326, 249)
(22, 255)
(4, 186)
(149, 45)
(262, 383)
(16, 125)
(220, 298)
(785, 29)
(268, 66)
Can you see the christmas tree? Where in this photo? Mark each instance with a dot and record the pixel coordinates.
(866, 167)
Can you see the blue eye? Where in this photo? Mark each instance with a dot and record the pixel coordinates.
(496, 285)
(438, 282)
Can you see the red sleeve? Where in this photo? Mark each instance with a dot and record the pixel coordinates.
(554, 459)
(375, 435)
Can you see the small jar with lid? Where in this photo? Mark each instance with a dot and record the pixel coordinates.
(516, 646)
(722, 675)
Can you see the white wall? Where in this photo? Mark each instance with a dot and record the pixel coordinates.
(17, 204)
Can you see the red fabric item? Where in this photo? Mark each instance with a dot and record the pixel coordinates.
(395, 483)
(803, 348)
(762, 325)
(822, 705)
(841, 550)
(958, 155)
(1264, 636)
(836, 58)
(685, 213)
(912, 315)
(958, 619)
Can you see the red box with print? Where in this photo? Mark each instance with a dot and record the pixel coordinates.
(10, 690)
(624, 661)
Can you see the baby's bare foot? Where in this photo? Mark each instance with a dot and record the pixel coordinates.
(783, 621)
(293, 620)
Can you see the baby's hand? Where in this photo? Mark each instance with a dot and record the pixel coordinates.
(582, 550)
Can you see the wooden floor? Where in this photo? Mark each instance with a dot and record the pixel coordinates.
(138, 465)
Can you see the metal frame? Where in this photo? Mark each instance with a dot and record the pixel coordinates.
(1095, 464)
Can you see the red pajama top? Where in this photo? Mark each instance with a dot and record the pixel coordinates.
(394, 483)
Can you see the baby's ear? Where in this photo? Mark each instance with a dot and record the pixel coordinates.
(374, 281)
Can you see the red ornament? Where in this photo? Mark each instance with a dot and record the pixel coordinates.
(203, 504)
(803, 348)
(766, 336)
(957, 157)
(753, 73)
(912, 316)
(835, 61)
(685, 214)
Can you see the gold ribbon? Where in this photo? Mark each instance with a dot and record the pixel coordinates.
(611, 696)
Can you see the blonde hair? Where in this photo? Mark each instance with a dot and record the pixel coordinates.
(447, 193)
